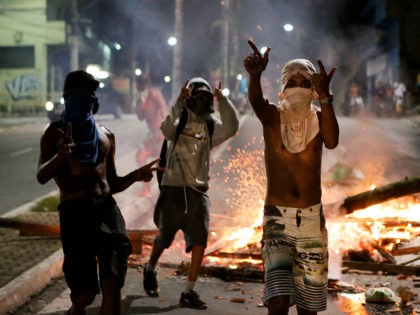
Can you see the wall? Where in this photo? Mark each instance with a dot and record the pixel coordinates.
(24, 23)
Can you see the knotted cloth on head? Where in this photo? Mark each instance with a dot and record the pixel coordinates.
(297, 128)
(80, 101)
(302, 66)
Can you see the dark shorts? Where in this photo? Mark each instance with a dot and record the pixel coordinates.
(182, 208)
(93, 233)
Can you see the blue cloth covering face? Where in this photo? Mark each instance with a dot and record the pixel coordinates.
(78, 111)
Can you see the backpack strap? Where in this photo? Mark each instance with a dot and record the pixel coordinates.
(210, 127)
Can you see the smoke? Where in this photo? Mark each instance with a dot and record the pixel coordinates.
(337, 32)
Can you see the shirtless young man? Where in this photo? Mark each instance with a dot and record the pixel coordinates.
(80, 157)
(295, 245)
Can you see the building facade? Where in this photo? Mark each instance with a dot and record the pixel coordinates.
(25, 38)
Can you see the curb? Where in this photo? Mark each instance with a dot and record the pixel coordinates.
(18, 291)
(27, 206)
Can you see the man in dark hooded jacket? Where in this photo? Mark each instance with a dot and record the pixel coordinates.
(192, 132)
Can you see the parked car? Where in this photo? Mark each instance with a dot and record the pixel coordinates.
(110, 102)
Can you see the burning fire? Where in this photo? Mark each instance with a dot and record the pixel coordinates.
(383, 225)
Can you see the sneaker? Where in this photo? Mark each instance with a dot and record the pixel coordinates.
(192, 300)
(150, 283)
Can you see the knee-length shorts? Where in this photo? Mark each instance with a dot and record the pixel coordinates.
(295, 255)
(182, 208)
(93, 234)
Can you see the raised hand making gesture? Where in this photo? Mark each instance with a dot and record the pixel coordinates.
(185, 92)
(218, 91)
(255, 63)
(65, 141)
(321, 80)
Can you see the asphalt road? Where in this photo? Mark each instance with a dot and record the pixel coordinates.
(382, 150)
(19, 150)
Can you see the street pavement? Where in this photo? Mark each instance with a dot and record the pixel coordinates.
(236, 297)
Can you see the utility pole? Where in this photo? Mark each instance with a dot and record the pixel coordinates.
(74, 37)
(225, 41)
(177, 56)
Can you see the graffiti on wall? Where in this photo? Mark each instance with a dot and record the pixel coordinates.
(23, 87)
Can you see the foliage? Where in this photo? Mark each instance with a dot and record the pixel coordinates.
(47, 204)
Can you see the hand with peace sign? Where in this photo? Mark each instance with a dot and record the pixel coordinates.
(255, 63)
(65, 141)
(321, 81)
(186, 92)
(217, 92)
(145, 173)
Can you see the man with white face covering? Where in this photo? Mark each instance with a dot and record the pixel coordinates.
(295, 239)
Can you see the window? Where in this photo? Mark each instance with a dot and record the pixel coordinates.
(17, 57)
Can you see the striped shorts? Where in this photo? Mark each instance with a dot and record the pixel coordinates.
(295, 254)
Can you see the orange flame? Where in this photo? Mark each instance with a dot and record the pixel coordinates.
(244, 183)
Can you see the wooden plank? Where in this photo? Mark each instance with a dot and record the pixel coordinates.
(404, 187)
(256, 256)
(388, 268)
(138, 238)
(30, 229)
(410, 247)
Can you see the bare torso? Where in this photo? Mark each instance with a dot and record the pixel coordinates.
(293, 179)
(75, 179)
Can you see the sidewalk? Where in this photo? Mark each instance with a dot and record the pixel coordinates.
(27, 263)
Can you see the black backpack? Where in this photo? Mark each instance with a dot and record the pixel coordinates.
(182, 122)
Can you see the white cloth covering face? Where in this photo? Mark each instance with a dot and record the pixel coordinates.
(298, 119)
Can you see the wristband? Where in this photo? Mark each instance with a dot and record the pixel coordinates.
(326, 100)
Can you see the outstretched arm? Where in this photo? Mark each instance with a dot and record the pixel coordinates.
(120, 183)
(229, 118)
(255, 64)
(168, 126)
(329, 126)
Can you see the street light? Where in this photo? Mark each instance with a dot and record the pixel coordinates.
(225, 92)
(96, 71)
(288, 27)
(117, 46)
(172, 41)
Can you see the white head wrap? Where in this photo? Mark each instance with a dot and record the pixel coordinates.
(297, 128)
(302, 66)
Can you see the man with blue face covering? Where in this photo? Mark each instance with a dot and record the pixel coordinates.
(80, 156)
(183, 204)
